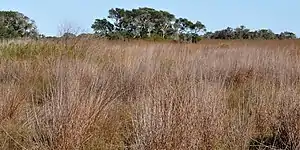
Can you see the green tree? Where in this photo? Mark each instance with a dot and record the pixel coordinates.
(209, 35)
(287, 35)
(102, 27)
(241, 32)
(198, 27)
(118, 15)
(145, 22)
(183, 25)
(225, 34)
(14, 24)
(162, 21)
(266, 34)
(142, 21)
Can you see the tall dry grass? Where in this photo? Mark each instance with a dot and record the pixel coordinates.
(91, 94)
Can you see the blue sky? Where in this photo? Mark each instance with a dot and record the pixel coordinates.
(278, 15)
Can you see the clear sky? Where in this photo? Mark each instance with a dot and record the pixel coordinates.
(277, 15)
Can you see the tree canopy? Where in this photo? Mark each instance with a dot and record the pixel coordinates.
(15, 24)
(146, 23)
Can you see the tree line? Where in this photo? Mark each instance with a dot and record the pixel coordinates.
(243, 33)
(140, 23)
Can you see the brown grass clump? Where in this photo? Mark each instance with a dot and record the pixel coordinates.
(93, 94)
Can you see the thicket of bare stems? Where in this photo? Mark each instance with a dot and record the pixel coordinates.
(139, 95)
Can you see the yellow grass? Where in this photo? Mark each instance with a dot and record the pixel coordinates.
(94, 94)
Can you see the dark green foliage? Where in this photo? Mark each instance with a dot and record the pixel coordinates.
(147, 23)
(286, 35)
(102, 27)
(14, 25)
(243, 33)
